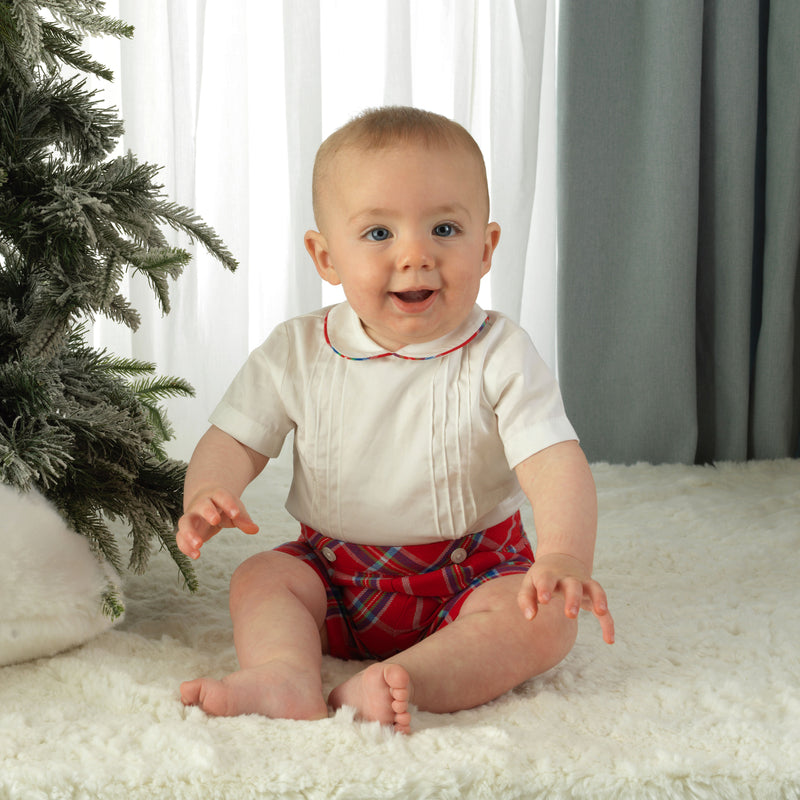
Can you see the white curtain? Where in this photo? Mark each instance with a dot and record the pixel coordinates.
(233, 97)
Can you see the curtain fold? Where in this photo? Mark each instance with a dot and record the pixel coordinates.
(301, 20)
(516, 79)
(776, 390)
(669, 349)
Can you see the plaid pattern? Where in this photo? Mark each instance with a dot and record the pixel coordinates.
(383, 600)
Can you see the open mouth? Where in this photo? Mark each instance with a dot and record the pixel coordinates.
(416, 296)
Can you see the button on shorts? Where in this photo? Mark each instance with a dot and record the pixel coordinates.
(383, 600)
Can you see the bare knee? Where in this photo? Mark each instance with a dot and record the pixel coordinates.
(274, 572)
(561, 630)
(550, 636)
(542, 642)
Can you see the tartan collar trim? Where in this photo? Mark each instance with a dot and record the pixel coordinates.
(345, 335)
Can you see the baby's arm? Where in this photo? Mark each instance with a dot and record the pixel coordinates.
(559, 485)
(220, 469)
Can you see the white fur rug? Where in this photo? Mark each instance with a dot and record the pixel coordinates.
(699, 697)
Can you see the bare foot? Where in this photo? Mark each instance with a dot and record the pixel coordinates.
(379, 693)
(274, 690)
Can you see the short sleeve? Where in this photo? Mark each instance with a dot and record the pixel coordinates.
(253, 409)
(524, 395)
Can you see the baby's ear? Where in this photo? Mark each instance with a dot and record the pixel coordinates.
(491, 240)
(317, 246)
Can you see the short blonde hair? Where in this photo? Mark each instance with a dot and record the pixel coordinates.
(388, 126)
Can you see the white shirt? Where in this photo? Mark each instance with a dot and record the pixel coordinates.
(393, 451)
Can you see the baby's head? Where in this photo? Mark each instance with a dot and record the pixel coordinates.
(390, 127)
(402, 206)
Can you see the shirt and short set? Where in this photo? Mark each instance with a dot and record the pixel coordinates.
(403, 476)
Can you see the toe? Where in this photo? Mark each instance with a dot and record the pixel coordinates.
(402, 723)
(190, 692)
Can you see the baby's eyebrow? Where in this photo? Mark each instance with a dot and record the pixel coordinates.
(448, 210)
(454, 209)
(370, 214)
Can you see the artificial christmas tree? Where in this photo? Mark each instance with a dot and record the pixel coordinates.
(81, 426)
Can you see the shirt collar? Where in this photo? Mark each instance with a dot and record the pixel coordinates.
(347, 337)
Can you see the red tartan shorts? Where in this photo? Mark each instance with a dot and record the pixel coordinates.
(383, 600)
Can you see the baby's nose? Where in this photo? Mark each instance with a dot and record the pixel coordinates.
(415, 255)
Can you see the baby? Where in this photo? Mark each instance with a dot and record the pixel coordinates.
(421, 423)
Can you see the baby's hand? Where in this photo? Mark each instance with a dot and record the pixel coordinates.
(207, 515)
(557, 572)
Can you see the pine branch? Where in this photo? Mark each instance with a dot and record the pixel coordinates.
(128, 187)
(113, 606)
(141, 535)
(74, 209)
(27, 40)
(87, 130)
(28, 389)
(13, 63)
(105, 435)
(158, 513)
(184, 219)
(109, 279)
(28, 25)
(184, 563)
(32, 454)
(118, 309)
(149, 391)
(85, 16)
(159, 266)
(55, 114)
(85, 519)
(45, 333)
(58, 45)
(161, 388)
(161, 427)
(127, 367)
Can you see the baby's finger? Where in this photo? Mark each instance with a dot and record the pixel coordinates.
(188, 539)
(596, 601)
(573, 596)
(235, 514)
(546, 586)
(607, 626)
(241, 519)
(199, 525)
(526, 598)
(190, 549)
(594, 598)
(210, 511)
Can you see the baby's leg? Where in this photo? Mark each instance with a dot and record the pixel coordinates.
(278, 606)
(488, 650)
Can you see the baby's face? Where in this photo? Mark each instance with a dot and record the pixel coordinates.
(405, 232)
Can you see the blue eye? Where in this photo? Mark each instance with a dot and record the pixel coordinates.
(378, 234)
(445, 229)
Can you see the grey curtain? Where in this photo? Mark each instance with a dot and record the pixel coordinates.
(679, 227)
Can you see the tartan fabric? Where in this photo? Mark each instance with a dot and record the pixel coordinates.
(383, 600)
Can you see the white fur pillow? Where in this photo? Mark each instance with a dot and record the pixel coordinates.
(51, 584)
